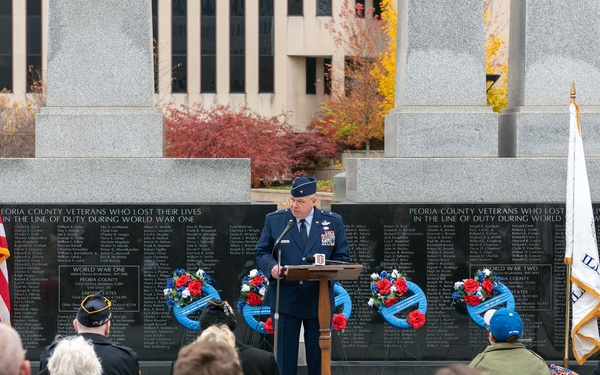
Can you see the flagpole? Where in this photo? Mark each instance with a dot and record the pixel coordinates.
(568, 286)
(567, 320)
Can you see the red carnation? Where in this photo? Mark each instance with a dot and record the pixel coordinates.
(253, 299)
(470, 285)
(416, 319)
(182, 280)
(269, 326)
(472, 299)
(390, 302)
(487, 286)
(256, 281)
(339, 322)
(195, 287)
(400, 285)
(383, 286)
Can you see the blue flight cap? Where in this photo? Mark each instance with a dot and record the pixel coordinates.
(304, 186)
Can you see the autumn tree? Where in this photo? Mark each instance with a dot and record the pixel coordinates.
(496, 58)
(354, 114)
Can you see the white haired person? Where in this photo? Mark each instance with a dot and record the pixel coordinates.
(93, 324)
(74, 355)
(12, 354)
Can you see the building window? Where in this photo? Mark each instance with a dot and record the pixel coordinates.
(327, 77)
(323, 7)
(377, 8)
(295, 8)
(266, 62)
(6, 45)
(311, 75)
(208, 46)
(34, 44)
(179, 46)
(237, 42)
(155, 42)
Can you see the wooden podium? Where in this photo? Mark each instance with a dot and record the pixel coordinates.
(324, 274)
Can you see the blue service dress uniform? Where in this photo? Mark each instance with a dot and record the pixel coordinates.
(298, 300)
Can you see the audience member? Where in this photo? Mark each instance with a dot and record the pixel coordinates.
(216, 358)
(254, 361)
(74, 355)
(93, 323)
(218, 333)
(505, 354)
(457, 369)
(12, 354)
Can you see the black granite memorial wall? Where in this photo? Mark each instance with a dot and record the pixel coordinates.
(60, 253)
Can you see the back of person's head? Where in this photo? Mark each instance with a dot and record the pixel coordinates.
(217, 312)
(506, 325)
(12, 354)
(217, 358)
(457, 369)
(218, 333)
(74, 355)
(94, 315)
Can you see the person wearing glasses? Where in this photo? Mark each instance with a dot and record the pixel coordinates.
(308, 231)
(93, 323)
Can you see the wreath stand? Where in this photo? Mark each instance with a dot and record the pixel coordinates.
(389, 313)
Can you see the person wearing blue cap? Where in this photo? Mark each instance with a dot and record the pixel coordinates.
(505, 354)
(307, 231)
(93, 323)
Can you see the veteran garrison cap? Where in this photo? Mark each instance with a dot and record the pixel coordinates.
(304, 186)
(94, 310)
(217, 312)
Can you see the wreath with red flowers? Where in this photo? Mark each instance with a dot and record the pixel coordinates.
(387, 289)
(475, 290)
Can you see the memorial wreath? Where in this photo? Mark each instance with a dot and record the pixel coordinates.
(185, 287)
(387, 288)
(475, 290)
(253, 290)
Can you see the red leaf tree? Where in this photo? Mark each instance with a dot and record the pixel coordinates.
(225, 132)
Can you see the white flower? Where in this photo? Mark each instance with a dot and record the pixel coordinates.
(262, 291)
(395, 274)
(167, 291)
(185, 293)
(245, 288)
(374, 276)
(200, 272)
(393, 289)
(370, 303)
(253, 273)
(457, 285)
(487, 272)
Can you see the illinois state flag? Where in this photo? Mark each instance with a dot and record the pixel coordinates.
(581, 250)
(4, 291)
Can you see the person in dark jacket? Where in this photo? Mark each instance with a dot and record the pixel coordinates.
(93, 324)
(254, 361)
(310, 231)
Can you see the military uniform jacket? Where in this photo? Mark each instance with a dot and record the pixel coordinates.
(115, 359)
(327, 236)
(509, 358)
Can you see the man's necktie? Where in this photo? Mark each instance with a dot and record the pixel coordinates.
(303, 233)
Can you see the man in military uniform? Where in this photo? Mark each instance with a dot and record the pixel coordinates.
(313, 231)
(93, 323)
(254, 361)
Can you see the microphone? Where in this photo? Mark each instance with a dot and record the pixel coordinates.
(311, 259)
(289, 226)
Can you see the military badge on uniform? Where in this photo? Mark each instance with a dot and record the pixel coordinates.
(328, 238)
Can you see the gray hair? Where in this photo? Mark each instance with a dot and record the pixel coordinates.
(74, 355)
(12, 354)
(217, 333)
